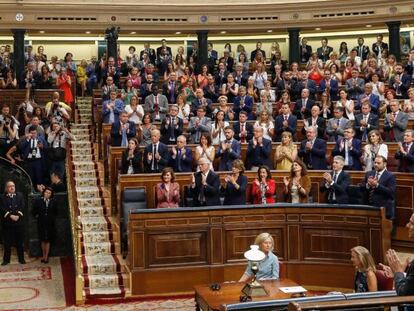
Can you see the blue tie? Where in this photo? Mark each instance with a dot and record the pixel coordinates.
(179, 160)
(124, 142)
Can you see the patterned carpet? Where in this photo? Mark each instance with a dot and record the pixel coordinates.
(101, 267)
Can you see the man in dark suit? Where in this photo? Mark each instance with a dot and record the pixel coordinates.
(313, 150)
(329, 86)
(315, 121)
(229, 150)
(305, 51)
(211, 90)
(201, 102)
(30, 78)
(354, 85)
(400, 82)
(285, 122)
(287, 84)
(163, 45)
(243, 102)
(171, 127)
(403, 272)
(409, 68)
(11, 208)
(156, 155)
(181, 157)
(227, 60)
(336, 183)
(379, 46)
(324, 51)
(150, 52)
(362, 50)
(205, 185)
(406, 153)
(305, 83)
(243, 131)
(111, 70)
(304, 105)
(240, 76)
(34, 155)
(146, 88)
(171, 88)
(221, 75)
(372, 99)
(259, 151)
(379, 187)
(365, 122)
(258, 48)
(350, 149)
(122, 131)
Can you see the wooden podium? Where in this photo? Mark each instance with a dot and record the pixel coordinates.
(209, 300)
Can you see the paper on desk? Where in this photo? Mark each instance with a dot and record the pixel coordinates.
(293, 289)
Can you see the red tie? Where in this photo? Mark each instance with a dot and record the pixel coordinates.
(156, 103)
(243, 139)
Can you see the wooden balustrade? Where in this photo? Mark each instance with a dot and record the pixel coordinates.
(204, 245)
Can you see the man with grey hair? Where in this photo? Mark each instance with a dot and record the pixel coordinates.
(156, 154)
(313, 150)
(336, 183)
(205, 185)
(405, 153)
(395, 123)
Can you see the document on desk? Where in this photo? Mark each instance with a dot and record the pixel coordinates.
(293, 289)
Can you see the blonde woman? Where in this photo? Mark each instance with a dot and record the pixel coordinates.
(264, 121)
(365, 278)
(81, 77)
(409, 103)
(286, 152)
(373, 148)
(268, 267)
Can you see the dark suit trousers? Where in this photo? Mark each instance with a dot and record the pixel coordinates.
(13, 234)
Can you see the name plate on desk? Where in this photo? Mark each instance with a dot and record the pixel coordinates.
(293, 289)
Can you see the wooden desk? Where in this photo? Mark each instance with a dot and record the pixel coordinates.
(208, 300)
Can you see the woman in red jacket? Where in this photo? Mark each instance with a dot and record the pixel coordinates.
(264, 187)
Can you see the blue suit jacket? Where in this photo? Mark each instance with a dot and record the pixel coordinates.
(26, 148)
(355, 153)
(163, 162)
(209, 108)
(406, 160)
(228, 156)
(373, 100)
(279, 129)
(333, 91)
(298, 107)
(119, 107)
(259, 155)
(248, 106)
(384, 194)
(316, 157)
(116, 134)
(186, 164)
(233, 196)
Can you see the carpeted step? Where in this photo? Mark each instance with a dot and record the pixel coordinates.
(84, 165)
(101, 264)
(99, 248)
(80, 126)
(89, 202)
(95, 223)
(86, 182)
(97, 211)
(86, 174)
(88, 192)
(83, 157)
(97, 237)
(95, 281)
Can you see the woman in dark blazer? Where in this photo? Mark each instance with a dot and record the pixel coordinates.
(131, 158)
(44, 210)
(235, 185)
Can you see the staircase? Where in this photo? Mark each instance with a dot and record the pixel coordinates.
(101, 268)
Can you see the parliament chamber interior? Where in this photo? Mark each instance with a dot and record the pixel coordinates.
(207, 156)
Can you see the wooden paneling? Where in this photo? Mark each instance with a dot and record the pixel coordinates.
(164, 245)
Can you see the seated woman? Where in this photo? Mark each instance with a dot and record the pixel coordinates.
(168, 191)
(235, 185)
(264, 187)
(365, 278)
(131, 158)
(286, 152)
(374, 147)
(298, 184)
(44, 210)
(268, 267)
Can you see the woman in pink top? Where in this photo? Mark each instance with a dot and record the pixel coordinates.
(168, 191)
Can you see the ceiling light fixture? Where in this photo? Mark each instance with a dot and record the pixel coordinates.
(178, 33)
(223, 32)
(133, 32)
(270, 30)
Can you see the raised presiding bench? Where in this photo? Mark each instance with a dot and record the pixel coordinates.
(173, 249)
(229, 293)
